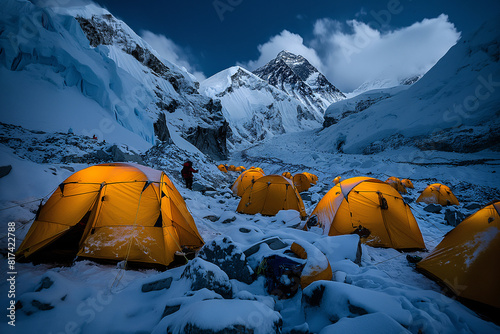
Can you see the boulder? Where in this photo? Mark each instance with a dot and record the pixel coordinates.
(453, 217)
(204, 274)
(433, 208)
(222, 316)
(224, 253)
(157, 285)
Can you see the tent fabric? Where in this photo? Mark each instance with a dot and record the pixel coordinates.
(244, 180)
(124, 212)
(257, 168)
(288, 175)
(337, 179)
(239, 169)
(466, 260)
(396, 184)
(302, 182)
(312, 178)
(222, 168)
(437, 193)
(270, 194)
(371, 208)
(317, 266)
(407, 183)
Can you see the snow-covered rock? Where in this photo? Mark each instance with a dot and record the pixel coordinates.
(297, 77)
(224, 253)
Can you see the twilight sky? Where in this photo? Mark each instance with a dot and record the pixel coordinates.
(351, 42)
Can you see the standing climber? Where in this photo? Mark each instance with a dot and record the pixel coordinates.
(187, 174)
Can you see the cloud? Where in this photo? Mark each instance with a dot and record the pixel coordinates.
(284, 41)
(366, 54)
(172, 52)
(351, 53)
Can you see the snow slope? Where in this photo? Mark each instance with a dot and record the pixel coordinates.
(87, 70)
(453, 107)
(254, 109)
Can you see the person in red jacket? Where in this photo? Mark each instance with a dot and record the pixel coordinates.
(187, 174)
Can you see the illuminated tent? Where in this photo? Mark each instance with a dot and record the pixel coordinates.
(466, 260)
(437, 194)
(288, 175)
(270, 194)
(244, 180)
(116, 211)
(370, 208)
(407, 183)
(222, 168)
(302, 182)
(396, 184)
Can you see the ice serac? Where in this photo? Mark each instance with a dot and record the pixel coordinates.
(297, 77)
(453, 107)
(85, 52)
(254, 109)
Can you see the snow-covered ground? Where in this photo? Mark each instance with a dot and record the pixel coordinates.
(384, 290)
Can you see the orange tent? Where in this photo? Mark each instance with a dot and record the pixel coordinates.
(337, 179)
(244, 180)
(239, 169)
(231, 168)
(257, 168)
(466, 260)
(370, 208)
(313, 178)
(302, 182)
(437, 194)
(288, 175)
(396, 184)
(407, 183)
(116, 211)
(270, 194)
(222, 168)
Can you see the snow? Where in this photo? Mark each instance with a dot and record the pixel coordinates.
(372, 290)
(459, 92)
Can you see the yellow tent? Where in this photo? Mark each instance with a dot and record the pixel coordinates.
(312, 178)
(396, 184)
(231, 168)
(288, 175)
(257, 168)
(337, 179)
(270, 194)
(222, 168)
(437, 194)
(116, 211)
(371, 208)
(302, 182)
(407, 183)
(244, 180)
(466, 260)
(239, 169)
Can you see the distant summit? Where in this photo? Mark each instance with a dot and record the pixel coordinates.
(301, 80)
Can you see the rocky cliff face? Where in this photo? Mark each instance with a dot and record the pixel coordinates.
(175, 91)
(297, 77)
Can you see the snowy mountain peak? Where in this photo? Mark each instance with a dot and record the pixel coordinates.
(254, 109)
(295, 75)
